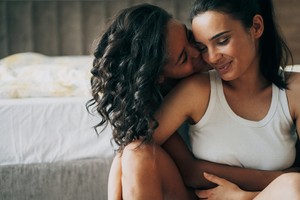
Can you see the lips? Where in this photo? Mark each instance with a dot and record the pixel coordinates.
(223, 68)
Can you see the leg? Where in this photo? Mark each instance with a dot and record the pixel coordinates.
(286, 186)
(114, 179)
(148, 172)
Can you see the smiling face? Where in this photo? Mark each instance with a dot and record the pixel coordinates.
(226, 44)
(183, 58)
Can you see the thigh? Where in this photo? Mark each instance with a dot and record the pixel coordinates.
(148, 172)
(285, 186)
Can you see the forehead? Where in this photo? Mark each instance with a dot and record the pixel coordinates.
(175, 38)
(209, 23)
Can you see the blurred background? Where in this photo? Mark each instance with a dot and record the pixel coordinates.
(60, 27)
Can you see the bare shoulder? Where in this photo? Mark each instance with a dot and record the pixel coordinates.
(293, 92)
(293, 80)
(194, 91)
(198, 77)
(193, 87)
(199, 81)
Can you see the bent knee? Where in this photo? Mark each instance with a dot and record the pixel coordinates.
(290, 179)
(140, 170)
(290, 182)
(140, 157)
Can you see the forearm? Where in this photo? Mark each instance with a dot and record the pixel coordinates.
(192, 169)
(246, 179)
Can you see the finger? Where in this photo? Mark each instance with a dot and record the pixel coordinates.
(202, 194)
(215, 179)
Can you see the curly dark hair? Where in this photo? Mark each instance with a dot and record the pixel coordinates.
(127, 63)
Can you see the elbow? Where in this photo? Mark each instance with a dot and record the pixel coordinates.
(192, 182)
(195, 179)
(193, 176)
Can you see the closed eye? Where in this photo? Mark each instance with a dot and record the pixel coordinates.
(185, 57)
(223, 41)
(182, 57)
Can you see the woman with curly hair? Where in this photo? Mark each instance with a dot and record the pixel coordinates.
(140, 54)
(137, 61)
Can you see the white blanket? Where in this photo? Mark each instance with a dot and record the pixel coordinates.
(35, 75)
(38, 130)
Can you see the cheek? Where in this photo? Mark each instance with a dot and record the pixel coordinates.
(205, 57)
(243, 47)
(188, 70)
(173, 73)
(179, 72)
(183, 72)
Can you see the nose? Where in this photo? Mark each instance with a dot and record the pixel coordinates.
(212, 56)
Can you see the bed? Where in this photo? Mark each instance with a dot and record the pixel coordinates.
(49, 148)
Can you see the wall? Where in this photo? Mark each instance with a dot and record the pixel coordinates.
(58, 27)
(288, 17)
(63, 27)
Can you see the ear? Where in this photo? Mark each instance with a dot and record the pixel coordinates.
(257, 26)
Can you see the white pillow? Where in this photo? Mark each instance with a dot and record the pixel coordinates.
(35, 75)
(294, 68)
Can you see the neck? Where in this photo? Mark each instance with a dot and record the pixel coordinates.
(251, 81)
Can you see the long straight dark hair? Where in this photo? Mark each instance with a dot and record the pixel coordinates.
(274, 52)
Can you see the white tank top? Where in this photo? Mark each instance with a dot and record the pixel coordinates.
(223, 137)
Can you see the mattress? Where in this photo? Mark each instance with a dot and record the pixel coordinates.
(35, 130)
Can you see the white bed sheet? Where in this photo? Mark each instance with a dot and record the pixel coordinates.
(34, 130)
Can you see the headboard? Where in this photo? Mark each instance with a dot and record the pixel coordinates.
(69, 27)
(58, 27)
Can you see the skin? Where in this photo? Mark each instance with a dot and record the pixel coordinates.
(285, 186)
(183, 60)
(152, 159)
(218, 37)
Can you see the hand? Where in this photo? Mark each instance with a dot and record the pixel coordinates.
(224, 190)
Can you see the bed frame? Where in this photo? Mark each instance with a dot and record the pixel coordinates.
(69, 27)
(58, 27)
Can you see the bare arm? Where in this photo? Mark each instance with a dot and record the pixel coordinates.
(192, 169)
(180, 106)
(293, 94)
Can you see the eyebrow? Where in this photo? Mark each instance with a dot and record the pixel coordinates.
(218, 35)
(183, 50)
